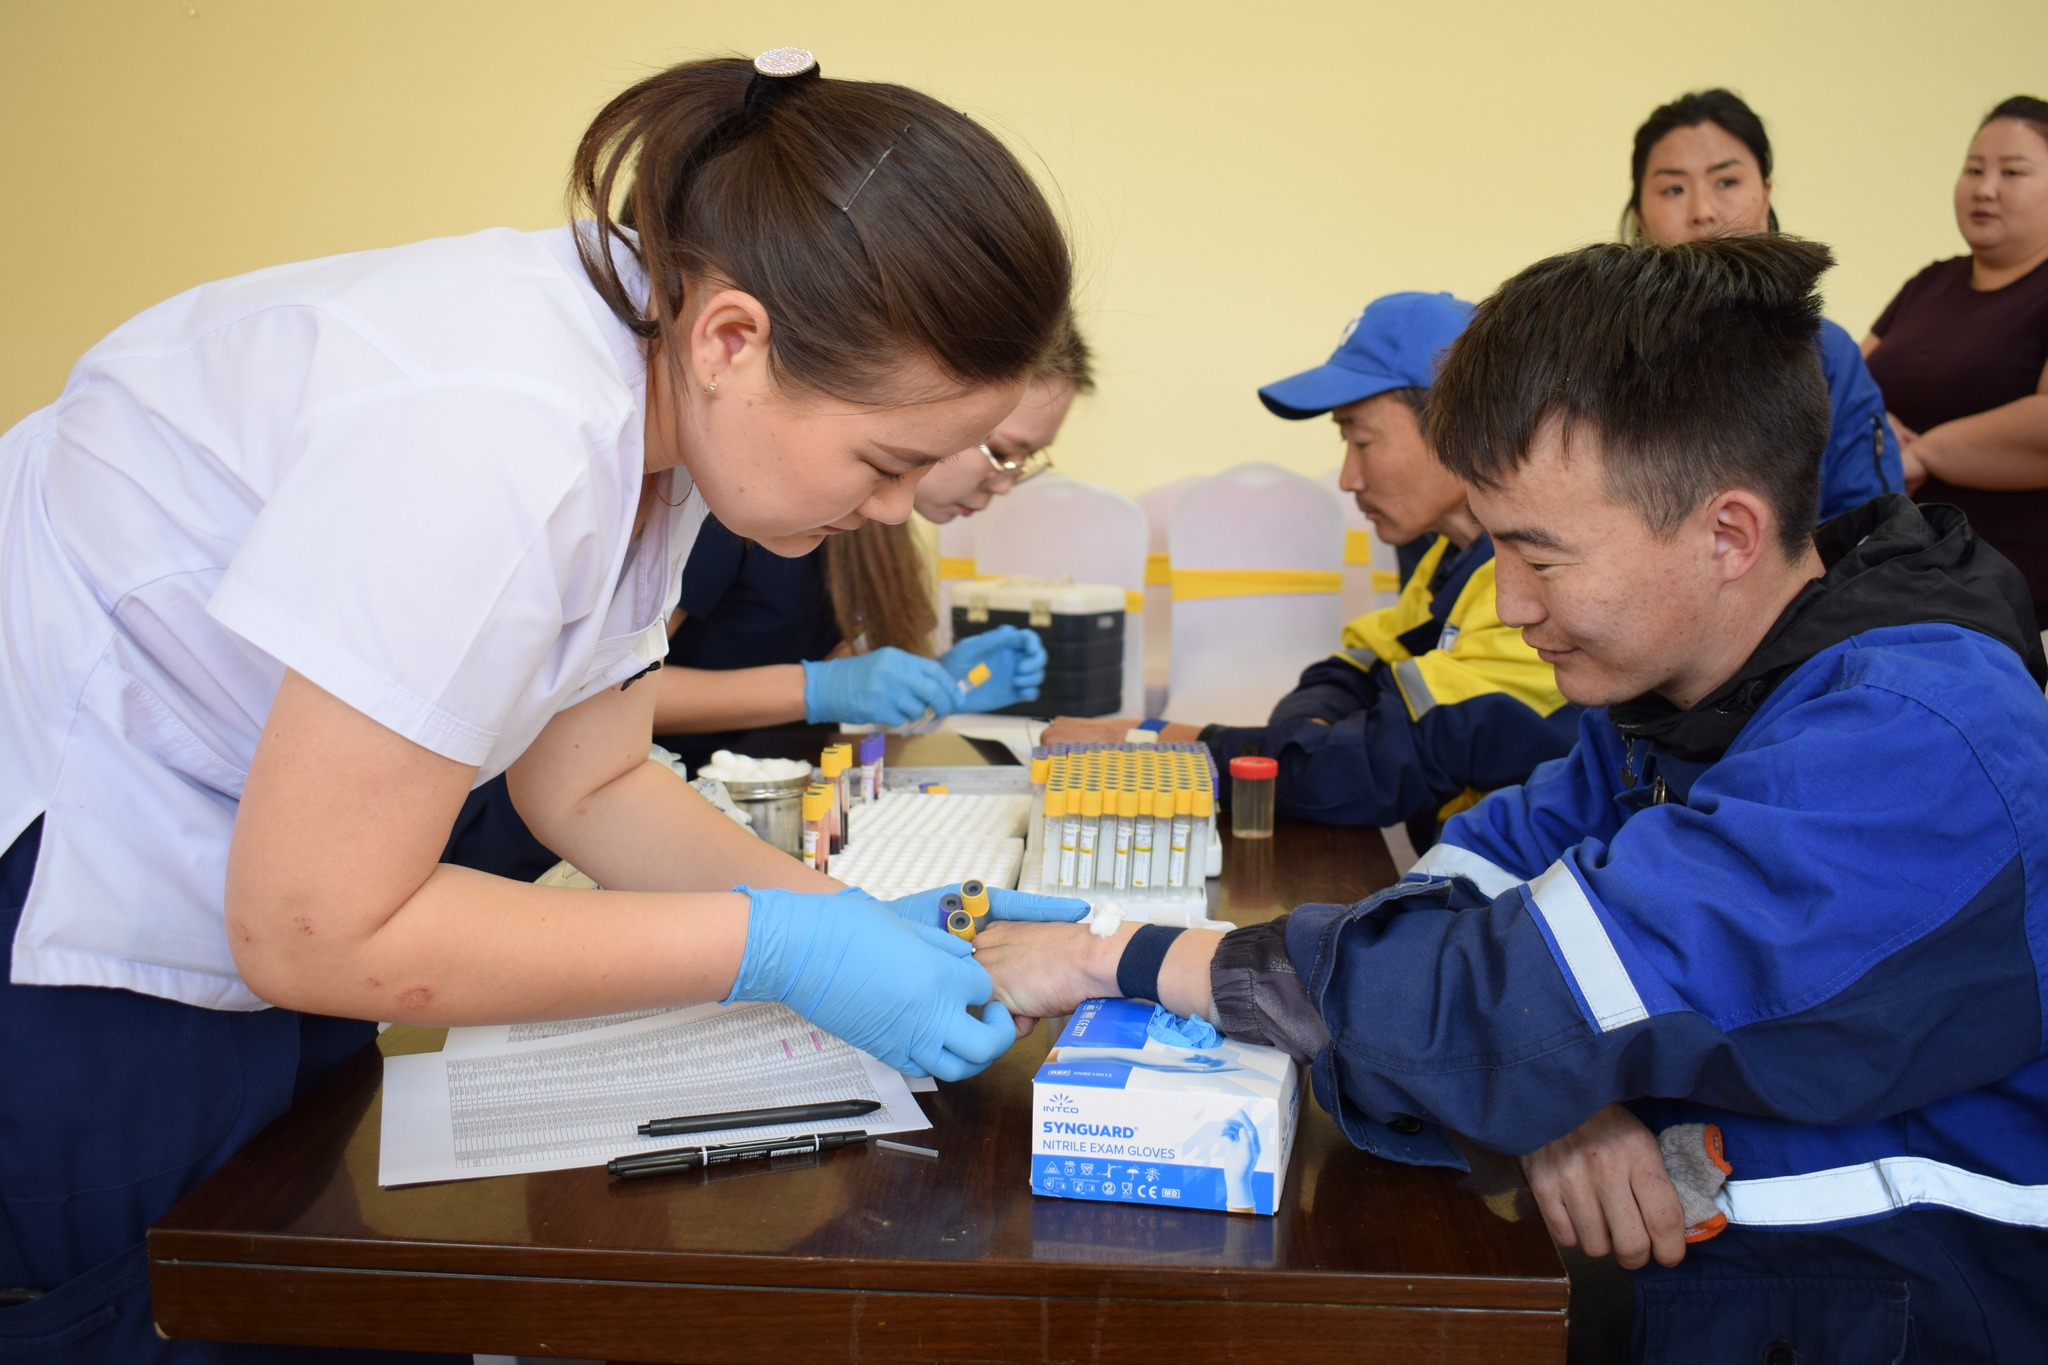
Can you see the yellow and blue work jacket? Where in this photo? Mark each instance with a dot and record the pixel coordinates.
(1430, 703)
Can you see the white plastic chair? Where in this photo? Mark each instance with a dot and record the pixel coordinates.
(1057, 527)
(1372, 576)
(1158, 504)
(1234, 656)
(956, 562)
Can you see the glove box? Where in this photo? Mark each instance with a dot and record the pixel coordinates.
(1081, 626)
(1120, 1114)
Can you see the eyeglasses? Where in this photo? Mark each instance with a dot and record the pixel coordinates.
(1017, 471)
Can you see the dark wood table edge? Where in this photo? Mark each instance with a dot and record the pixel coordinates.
(977, 1279)
(235, 1302)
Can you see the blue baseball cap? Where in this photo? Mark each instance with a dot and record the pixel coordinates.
(1393, 344)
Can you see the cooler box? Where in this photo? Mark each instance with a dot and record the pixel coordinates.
(1119, 1115)
(1081, 625)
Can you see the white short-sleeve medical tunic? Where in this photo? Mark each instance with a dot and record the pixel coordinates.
(410, 475)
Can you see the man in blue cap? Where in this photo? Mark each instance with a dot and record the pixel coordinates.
(1429, 703)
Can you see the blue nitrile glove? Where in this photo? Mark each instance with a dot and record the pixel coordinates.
(922, 907)
(1016, 664)
(900, 991)
(886, 686)
(1181, 1030)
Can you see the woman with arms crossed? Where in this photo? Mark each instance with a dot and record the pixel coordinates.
(1962, 351)
(296, 557)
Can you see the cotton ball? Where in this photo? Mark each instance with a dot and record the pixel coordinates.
(1105, 918)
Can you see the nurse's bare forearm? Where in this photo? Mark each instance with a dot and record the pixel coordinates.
(335, 902)
(698, 701)
(647, 830)
(470, 948)
(2003, 449)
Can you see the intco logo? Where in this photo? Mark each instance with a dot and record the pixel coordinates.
(1059, 1102)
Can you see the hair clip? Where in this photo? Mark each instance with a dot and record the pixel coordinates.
(847, 207)
(777, 72)
(785, 61)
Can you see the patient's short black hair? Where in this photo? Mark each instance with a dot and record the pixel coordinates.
(1693, 366)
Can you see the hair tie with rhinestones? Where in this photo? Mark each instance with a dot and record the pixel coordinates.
(777, 72)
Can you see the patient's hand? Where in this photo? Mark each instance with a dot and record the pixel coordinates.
(1044, 970)
(1074, 730)
(1602, 1187)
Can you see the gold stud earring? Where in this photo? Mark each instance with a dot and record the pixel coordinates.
(712, 387)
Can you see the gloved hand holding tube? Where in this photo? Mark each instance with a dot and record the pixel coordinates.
(886, 686)
(1015, 658)
(901, 991)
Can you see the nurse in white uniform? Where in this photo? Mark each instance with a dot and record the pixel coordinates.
(297, 559)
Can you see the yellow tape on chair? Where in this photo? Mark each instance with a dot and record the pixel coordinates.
(955, 566)
(1358, 547)
(1158, 570)
(1196, 585)
(1134, 603)
(1386, 580)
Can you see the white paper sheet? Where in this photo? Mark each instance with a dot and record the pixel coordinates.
(522, 1098)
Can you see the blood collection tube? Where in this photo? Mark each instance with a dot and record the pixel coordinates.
(1091, 835)
(875, 764)
(1141, 843)
(829, 771)
(844, 778)
(1070, 840)
(1200, 832)
(817, 843)
(960, 922)
(1055, 818)
(1177, 848)
(1162, 829)
(974, 898)
(1126, 817)
(871, 747)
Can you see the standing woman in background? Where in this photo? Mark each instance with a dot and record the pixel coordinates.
(297, 557)
(1702, 168)
(1962, 350)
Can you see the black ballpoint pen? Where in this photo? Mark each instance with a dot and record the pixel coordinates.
(677, 1160)
(758, 1118)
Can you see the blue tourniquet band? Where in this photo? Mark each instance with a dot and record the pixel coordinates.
(1137, 971)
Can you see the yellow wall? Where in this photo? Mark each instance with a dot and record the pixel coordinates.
(1239, 178)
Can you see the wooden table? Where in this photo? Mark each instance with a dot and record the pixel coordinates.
(871, 1255)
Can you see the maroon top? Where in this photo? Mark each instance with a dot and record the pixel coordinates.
(1952, 351)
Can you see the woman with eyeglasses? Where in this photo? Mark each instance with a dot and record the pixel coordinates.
(845, 635)
(761, 640)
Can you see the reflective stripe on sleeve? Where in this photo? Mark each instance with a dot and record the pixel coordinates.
(1589, 954)
(1448, 860)
(1879, 1187)
(1408, 674)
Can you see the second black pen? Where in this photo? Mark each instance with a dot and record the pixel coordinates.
(758, 1118)
(677, 1160)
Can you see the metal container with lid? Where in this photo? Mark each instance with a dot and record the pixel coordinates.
(775, 808)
